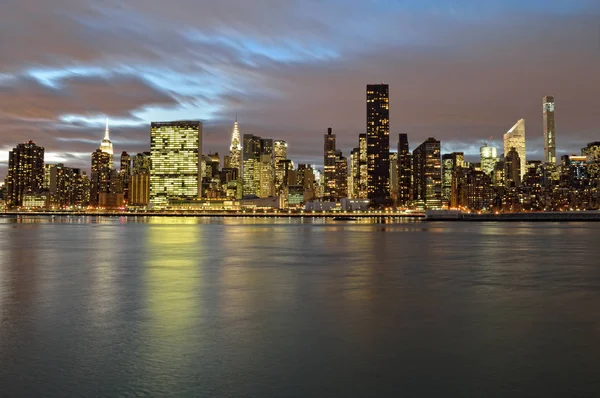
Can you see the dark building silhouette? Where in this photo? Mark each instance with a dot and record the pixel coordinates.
(427, 175)
(404, 170)
(378, 143)
(512, 169)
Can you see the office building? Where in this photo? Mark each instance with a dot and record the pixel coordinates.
(251, 165)
(450, 163)
(378, 143)
(427, 175)
(515, 138)
(25, 172)
(329, 173)
(176, 154)
(394, 176)
(489, 158)
(363, 167)
(341, 176)
(280, 155)
(512, 169)
(549, 130)
(404, 171)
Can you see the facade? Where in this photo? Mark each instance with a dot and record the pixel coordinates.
(141, 163)
(25, 172)
(378, 143)
(267, 176)
(427, 175)
(280, 155)
(404, 171)
(235, 149)
(341, 176)
(251, 165)
(549, 130)
(100, 177)
(515, 138)
(512, 169)
(450, 163)
(489, 158)
(363, 170)
(139, 189)
(394, 176)
(125, 172)
(62, 187)
(175, 152)
(329, 159)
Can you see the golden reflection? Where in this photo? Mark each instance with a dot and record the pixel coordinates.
(172, 277)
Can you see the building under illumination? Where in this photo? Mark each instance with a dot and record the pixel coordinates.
(489, 158)
(512, 169)
(106, 144)
(235, 149)
(378, 143)
(451, 162)
(25, 172)
(280, 155)
(549, 130)
(329, 158)
(175, 152)
(427, 175)
(515, 138)
(404, 170)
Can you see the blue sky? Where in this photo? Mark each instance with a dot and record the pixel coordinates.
(461, 71)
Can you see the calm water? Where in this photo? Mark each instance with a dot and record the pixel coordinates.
(255, 308)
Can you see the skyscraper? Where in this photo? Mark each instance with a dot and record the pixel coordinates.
(280, 154)
(341, 176)
(427, 175)
(176, 152)
(378, 143)
(451, 162)
(106, 144)
(100, 177)
(404, 170)
(251, 165)
(329, 158)
(25, 172)
(489, 158)
(125, 172)
(515, 138)
(512, 169)
(363, 167)
(235, 149)
(141, 163)
(549, 130)
(394, 175)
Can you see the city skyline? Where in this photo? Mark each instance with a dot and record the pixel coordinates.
(237, 57)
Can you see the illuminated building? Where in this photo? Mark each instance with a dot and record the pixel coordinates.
(354, 177)
(100, 177)
(404, 170)
(125, 172)
(62, 185)
(512, 169)
(139, 189)
(175, 152)
(106, 144)
(235, 149)
(378, 143)
(489, 158)
(394, 175)
(341, 176)
(427, 175)
(82, 189)
(267, 176)
(471, 189)
(515, 138)
(251, 164)
(306, 178)
(549, 130)
(295, 195)
(25, 172)
(280, 155)
(450, 163)
(363, 167)
(141, 163)
(329, 172)
(574, 171)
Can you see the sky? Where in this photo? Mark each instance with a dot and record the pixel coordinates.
(461, 71)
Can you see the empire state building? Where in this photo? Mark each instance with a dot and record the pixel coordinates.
(106, 145)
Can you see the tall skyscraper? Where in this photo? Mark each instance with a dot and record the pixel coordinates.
(251, 165)
(378, 143)
(354, 179)
(341, 176)
(106, 144)
(489, 158)
(404, 170)
(125, 172)
(363, 167)
(235, 149)
(176, 154)
(329, 158)
(515, 138)
(512, 169)
(394, 175)
(25, 172)
(100, 177)
(141, 163)
(450, 163)
(549, 130)
(427, 175)
(280, 154)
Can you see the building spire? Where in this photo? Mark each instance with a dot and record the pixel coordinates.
(106, 131)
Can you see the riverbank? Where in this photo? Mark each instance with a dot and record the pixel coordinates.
(532, 216)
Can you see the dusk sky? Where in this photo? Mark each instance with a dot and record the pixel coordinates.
(460, 71)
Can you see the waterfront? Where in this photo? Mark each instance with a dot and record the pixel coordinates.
(112, 306)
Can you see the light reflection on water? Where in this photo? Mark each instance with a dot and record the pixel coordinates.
(308, 307)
